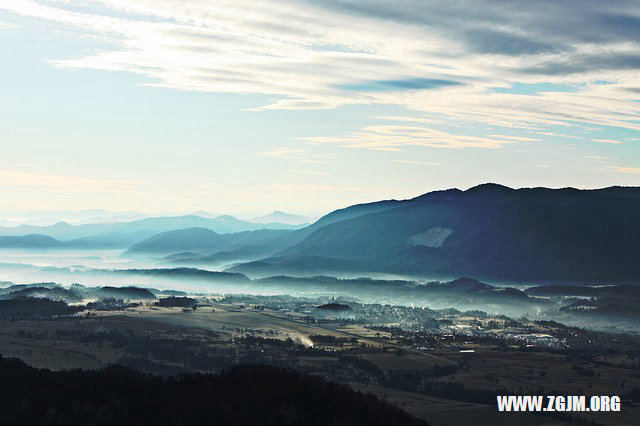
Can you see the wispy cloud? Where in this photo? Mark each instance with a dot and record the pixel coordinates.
(402, 85)
(300, 155)
(282, 152)
(626, 170)
(301, 187)
(308, 172)
(597, 158)
(609, 141)
(397, 137)
(440, 58)
(514, 138)
(419, 162)
(428, 120)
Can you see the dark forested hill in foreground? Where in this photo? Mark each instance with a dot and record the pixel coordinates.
(241, 395)
(489, 231)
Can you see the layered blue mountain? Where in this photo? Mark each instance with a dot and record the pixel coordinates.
(194, 243)
(39, 241)
(193, 239)
(488, 232)
(282, 217)
(125, 234)
(200, 246)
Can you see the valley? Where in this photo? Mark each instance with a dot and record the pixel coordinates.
(432, 364)
(435, 304)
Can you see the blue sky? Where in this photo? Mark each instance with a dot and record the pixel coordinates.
(247, 107)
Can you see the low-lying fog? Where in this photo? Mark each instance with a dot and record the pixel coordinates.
(91, 267)
(114, 268)
(72, 258)
(88, 268)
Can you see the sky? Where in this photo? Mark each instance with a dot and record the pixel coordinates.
(251, 106)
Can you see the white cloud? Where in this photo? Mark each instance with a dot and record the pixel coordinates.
(609, 141)
(398, 137)
(514, 138)
(300, 155)
(301, 187)
(311, 55)
(596, 158)
(419, 162)
(626, 170)
(308, 172)
(281, 152)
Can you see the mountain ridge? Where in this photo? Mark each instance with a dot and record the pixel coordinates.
(124, 234)
(493, 232)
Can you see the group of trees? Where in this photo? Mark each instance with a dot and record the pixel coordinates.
(33, 308)
(241, 395)
(176, 301)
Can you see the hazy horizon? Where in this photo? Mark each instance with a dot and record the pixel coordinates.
(96, 215)
(87, 214)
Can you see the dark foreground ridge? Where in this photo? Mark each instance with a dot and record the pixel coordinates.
(241, 395)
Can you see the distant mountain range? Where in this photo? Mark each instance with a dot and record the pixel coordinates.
(276, 216)
(194, 243)
(125, 234)
(39, 241)
(282, 217)
(489, 232)
(190, 246)
(50, 217)
(195, 239)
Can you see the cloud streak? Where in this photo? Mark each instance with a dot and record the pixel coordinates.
(607, 141)
(397, 137)
(300, 155)
(419, 162)
(443, 59)
(626, 170)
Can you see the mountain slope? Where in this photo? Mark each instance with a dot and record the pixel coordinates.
(298, 235)
(39, 241)
(264, 242)
(190, 239)
(29, 241)
(203, 241)
(490, 232)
